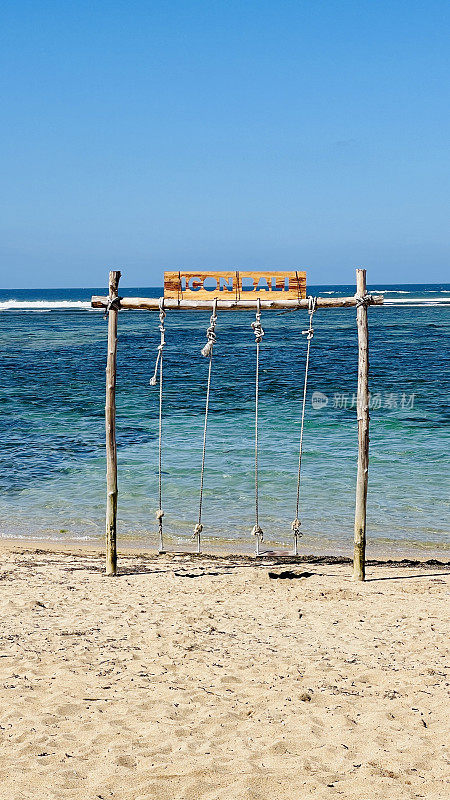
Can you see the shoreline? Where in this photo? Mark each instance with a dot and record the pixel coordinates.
(82, 549)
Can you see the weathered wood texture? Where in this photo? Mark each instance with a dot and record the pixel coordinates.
(359, 556)
(110, 424)
(152, 303)
(235, 285)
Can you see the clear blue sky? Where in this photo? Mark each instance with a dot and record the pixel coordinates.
(260, 133)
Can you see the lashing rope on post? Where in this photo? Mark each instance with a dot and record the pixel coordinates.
(207, 351)
(259, 333)
(363, 300)
(309, 333)
(153, 382)
(113, 302)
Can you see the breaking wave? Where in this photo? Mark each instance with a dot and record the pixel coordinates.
(42, 305)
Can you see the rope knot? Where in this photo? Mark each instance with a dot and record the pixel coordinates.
(211, 333)
(309, 333)
(363, 300)
(258, 329)
(257, 531)
(159, 514)
(312, 306)
(162, 315)
(198, 529)
(256, 325)
(295, 527)
(113, 303)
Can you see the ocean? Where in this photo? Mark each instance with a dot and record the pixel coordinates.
(52, 456)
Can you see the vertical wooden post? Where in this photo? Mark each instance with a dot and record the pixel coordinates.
(110, 424)
(359, 555)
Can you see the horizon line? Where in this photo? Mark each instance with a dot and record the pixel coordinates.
(161, 286)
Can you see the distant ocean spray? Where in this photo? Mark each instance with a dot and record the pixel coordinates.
(52, 461)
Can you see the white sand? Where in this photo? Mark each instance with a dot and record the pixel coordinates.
(225, 685)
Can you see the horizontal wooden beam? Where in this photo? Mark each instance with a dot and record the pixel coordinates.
(152, 303)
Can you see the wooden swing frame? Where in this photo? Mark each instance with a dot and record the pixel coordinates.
(294, 298)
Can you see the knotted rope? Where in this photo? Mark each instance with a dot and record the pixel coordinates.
(162, 316)
(363, 300)
(153, 381)
(207, 350)
(113, 302)
(259, 333)
(211, 332)
(309, 333)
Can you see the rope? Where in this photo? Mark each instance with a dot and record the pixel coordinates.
(113, 302)
(259, 333)
(364, 300)
(162, 316)
(211, 333)
(153, 381)
(207, 351)
(312, 305)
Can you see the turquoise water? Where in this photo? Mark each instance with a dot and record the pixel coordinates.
(52, 462)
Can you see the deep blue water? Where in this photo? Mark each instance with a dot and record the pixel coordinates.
(52, 462)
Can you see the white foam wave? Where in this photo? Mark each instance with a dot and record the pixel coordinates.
(42, 305)
(390, 291)
(417, 301)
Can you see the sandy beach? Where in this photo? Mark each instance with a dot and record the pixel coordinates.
(205, 678)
